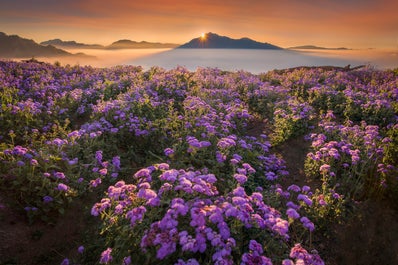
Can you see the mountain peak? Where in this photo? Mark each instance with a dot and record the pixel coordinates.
(212, 40)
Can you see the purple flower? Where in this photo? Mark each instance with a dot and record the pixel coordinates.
(233, 161)
(116, 163)
(34, 162)
(252, 259)
(145, 172)
(28, 208)
(189, 262)
(80, 249)
(305, 199)
(292, 213)
(177, 204)
(249, 168)
(100, 206)
(73, 161)
(20, 163)
(95, 182)
(237, 157)
(271, 175)
(324, 168)
(163, 166)
(59, 175)
(239, 191)
(62, 187)
(47, 199)
(287, 262)
(65, 262)
(136, 214)
(146, 194)
(204, 144)
(127, 260)
(240, 178)
(168, 152)
(281, 226)
(307, 223)
(220, 157)
(19, 150)
(103, 171)
(98, 156)
(106, 256)
(294, 188)
(225, 143)
(255, 247)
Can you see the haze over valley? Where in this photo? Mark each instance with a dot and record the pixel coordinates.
(207, 50)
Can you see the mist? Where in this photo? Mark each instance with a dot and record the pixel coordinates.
(255, 61)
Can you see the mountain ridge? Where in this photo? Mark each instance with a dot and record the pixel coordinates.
(119, 44)
(129, 44)
(214, 41)
(313, 47)
(14, 46)
(71, 44)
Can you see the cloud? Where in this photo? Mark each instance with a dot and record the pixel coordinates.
(178, 20)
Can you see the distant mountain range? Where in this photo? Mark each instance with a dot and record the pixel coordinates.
(120, 44)
(71, 44)
(312, 47)
(214, 41)
(13, 46)
(128, 44)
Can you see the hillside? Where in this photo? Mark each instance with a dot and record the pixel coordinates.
(13, 46)
(215, 41)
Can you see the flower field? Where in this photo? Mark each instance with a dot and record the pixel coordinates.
(184, 166)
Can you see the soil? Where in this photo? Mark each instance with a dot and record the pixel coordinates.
(368, 237)
(39, 243)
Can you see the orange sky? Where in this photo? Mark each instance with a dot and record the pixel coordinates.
(330, 23)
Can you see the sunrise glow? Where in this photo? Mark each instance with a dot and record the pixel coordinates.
(284, 23)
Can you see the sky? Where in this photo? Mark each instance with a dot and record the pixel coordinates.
(358, 24)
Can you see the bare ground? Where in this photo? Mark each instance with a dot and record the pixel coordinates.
(39, 243)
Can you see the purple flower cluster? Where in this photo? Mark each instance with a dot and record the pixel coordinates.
(255, 255)
(197, 120)
(350, 151)
(199, 220)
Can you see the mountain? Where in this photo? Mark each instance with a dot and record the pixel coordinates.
(71, 44)
(312, 47)
(128, 44)
(120, 44)
(214, 41)
(13, 46)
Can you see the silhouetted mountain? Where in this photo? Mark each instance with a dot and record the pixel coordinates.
(13, 46)
(128, 44)
(312, 47)
(214, 41)
(71, 44)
